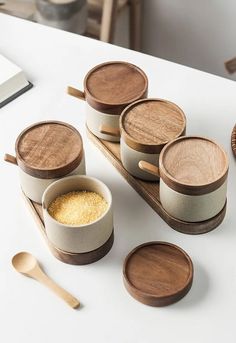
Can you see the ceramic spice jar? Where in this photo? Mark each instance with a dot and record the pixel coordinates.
(193, 178)
(108, 89)
(73, 238)
(47, 151)
(146, 126)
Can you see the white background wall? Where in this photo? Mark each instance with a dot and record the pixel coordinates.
(197, 33)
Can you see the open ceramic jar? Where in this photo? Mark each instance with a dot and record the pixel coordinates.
(108, 89)
(83, 238)
(193, 178)
(146, 127)
(47, 151)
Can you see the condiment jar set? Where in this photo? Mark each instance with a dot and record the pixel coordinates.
(51, 162)
(192, 170)
(193, 182)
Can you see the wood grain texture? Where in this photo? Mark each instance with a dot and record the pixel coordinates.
(64, 256)
(110, 87)
(193, 165)
(233, 140)
(49, 149)
(148, 124)
(10, 159)
(149, 191)
(158, 273)
(75, 92)
(150, 168)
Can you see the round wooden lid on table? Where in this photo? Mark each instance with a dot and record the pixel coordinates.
(148, 124)
(110, 87)
(49, 149)
(193, 165)
(158, 273)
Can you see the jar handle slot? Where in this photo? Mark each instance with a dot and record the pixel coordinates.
(108, 130)
(76, 93)
(149, 168)
(10, 159)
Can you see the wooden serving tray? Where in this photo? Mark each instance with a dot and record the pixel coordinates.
(64, 256)
(149, 191)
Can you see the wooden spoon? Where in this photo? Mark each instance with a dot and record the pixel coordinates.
(27, 264)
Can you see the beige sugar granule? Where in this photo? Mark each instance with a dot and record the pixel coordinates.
(78, 208)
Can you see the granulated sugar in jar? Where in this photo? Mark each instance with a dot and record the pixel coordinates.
(78, 208)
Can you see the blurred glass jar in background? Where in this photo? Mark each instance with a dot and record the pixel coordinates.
(69, 15)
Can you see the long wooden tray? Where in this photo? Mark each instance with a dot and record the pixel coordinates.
(150, 192)
(64, 256)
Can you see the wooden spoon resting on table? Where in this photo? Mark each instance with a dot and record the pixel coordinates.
(26, 264)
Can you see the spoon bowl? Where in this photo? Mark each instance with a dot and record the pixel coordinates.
(24, 262)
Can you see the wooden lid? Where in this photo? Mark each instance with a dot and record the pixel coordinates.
(158, 273)
(49, 149)
(193, 165)
(110, 87)
(148, 124)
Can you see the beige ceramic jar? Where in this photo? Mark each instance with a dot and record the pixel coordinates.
(108, 89)
(146, 126)
(193, 178)
(47, 151)
(83, 238)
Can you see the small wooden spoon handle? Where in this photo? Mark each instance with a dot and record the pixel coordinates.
(10, 159)
(40, 276)
(149, 168)
(75, 92)
(108, 130)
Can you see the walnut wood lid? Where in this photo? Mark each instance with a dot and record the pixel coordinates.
(193, 165)
(158, 273)
(149, 124)
(110, 87)
(49, 149)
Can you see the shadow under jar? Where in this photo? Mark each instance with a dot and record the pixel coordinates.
(83, 238)
(146, 127)
(47, 151)
(193, 178)
(108, 89)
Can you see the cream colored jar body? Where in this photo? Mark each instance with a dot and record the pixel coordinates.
(130, 159)
(96, 119)
(84, 238)
(34, 187)
(192, 208)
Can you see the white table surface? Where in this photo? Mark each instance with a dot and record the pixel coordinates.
(29, 312)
